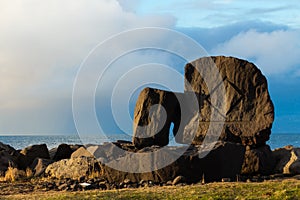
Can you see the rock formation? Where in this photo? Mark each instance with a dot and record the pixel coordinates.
(258, 161)
(223, 161)
(234, 103)
(154, 112)
(248, 110)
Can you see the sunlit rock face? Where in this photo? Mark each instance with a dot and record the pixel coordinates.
(232, 104)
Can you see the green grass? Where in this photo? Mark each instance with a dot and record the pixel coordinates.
(287, 189)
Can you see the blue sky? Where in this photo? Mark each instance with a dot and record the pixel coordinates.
(42, 45)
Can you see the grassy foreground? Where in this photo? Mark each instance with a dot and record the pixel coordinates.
(286, 189)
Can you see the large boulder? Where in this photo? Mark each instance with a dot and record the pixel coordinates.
(211, 162)
(73, 168)
(154, 112)
(223, 160)
(287, 160)
(245, 106)
(29, 154)
(232, 104)
(63, 151)
(258, 161)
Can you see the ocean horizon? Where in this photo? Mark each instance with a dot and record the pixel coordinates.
(277, 140)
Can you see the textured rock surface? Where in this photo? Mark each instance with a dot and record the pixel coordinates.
(82, 152)
(6, 160)
(154, 112)
(248, 111)
(224, 161)
(8, 157)
(39, 166)
(287, 160)
(258, 161)
(63, 151)
(72, 168)
(32, 152)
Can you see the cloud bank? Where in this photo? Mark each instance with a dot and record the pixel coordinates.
(42, 44)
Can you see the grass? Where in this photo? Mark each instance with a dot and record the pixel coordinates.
(286, 189)
(13, 174)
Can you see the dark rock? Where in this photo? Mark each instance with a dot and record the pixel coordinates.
(246, 108)
(239, 98)
(31, 153)
(39, 166)
(52, 153)
(6, 160)
(154, 112)
(63, 151)
(259, 161)
(224, 160)
(7, 148)
(287, 160)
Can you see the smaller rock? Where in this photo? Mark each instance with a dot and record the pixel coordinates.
(127, 181)
(82, 152)
(39, 166)
(169, 183)
(63, 151)
(63, 187)
(178, 179)
(6, 160)
(31, 153)
(287, 160)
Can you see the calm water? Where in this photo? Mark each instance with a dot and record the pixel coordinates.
(19, 142)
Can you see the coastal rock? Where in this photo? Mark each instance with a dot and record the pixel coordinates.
(287, 160)
(246, 107)
(154, 112)
(39, 166)
(6, 160)
(7, 148)
(31, 153)
(63, 151)
(73, 168)
(223, 161)
(82, 152)
(258, 161)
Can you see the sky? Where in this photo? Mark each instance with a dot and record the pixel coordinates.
(44, 43)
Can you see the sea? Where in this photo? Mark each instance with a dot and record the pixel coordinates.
(21, 141)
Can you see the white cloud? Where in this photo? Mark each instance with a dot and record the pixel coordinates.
(275, 52)
(42, 44)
